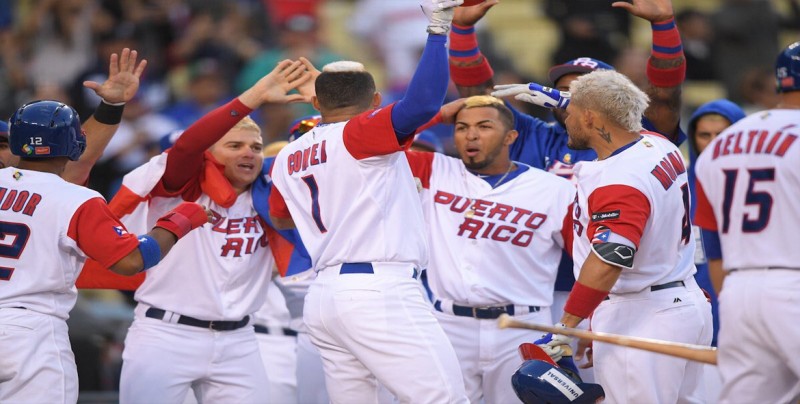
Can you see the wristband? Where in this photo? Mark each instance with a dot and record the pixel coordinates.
(583, 300)
(666, 40)
(672, 77)
(468, 66)
(109, 114)
(150, 250)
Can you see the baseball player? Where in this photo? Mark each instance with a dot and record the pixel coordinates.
(192, 325)
(48, 227)
(748, 190)
(347, 187)
(633, 246)
(496, 229)
(544, 145)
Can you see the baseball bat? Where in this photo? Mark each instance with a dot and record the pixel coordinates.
(699, 353)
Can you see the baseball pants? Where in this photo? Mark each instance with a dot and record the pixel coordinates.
(377, 327)
(162, 361)
(488, 355)
(36, 360)
(279, 356)
(759, 336)
(680, 314)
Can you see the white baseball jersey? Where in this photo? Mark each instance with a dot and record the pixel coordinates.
(493, 246)
(226, 262)
(48, 227)
(749, 190)
(351, 175)
(639, 193)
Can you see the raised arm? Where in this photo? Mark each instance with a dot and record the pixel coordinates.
(428, 87)
(185, 160)
(469, 69)
(119, 88)
(666, 69)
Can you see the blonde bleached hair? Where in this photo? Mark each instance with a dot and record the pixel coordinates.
(487, 101)
(612, 95)
(247, 123)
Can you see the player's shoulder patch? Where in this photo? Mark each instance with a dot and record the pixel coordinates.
(609, 215)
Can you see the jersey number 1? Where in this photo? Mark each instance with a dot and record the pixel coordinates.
(13, 238)
(311, 182)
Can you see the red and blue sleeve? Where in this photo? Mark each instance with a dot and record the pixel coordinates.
(621, 208)
(371, 134)
(704, 215)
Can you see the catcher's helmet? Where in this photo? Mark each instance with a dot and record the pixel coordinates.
(42, 129)
(539, 382)
(787, 68)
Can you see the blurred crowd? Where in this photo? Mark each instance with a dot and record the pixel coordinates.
(202, 52)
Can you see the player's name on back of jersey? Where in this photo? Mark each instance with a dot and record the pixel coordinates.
(492, 220)
(755, 142)
(19, 201)
(310, 156)
(669, 168)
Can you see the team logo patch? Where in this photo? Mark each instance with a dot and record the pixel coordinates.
(120, 230)
(601, 235)
(27, 149)
(17, 175)
(610, 215)
(41, 150)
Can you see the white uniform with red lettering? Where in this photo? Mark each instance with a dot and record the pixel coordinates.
(494, 249)
(749, 191)
(218, 272)
(48, 227)
(640, 195)
(350, 192)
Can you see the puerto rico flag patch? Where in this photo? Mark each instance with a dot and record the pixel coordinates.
(601, 235)
(120, 230)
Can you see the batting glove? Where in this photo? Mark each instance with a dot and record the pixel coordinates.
(556, 345)
(440, 14)
(534, 93)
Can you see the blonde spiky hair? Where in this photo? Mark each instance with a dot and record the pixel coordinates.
(482, 101)
(344, 66)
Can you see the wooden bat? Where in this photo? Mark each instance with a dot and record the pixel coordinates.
(699, 353)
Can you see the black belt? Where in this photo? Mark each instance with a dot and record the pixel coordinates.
(265, 330)
(662, 286)
(667, 285)
(483, 313)
(158, 314)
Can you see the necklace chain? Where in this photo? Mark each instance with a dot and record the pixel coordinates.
(503, 178)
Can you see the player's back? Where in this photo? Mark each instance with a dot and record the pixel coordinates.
(39, 254)
(750, 176)
(350, 203)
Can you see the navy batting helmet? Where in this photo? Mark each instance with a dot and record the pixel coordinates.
(787, 68)
(42, 129)
(539, 382)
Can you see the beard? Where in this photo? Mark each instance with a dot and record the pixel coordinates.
(474, 165)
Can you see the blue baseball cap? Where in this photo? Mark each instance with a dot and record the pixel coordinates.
(579, 65)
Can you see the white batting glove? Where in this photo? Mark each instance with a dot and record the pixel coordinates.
(534, 93)
(556, 345)
(440, 14)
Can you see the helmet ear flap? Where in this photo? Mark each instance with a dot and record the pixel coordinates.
(44, 128)
(787, 69)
